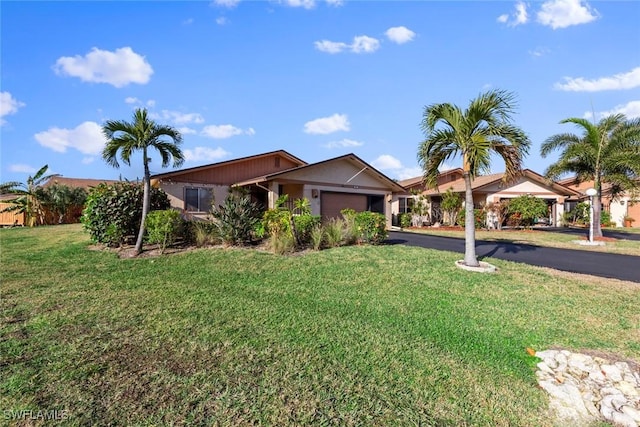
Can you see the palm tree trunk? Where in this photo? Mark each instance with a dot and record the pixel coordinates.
(470, 258)
(146, 201)
(597, 214)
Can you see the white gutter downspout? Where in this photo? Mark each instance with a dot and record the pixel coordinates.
(349, 180)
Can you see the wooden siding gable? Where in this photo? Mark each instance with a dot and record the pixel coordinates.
(228, 173)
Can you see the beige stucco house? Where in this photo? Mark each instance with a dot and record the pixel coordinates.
(330, 185)
(487, 189)
(625, 205)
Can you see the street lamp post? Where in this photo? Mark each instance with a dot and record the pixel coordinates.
(591, 192)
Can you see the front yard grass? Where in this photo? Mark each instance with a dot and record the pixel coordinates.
(543, 238)
(385, 335)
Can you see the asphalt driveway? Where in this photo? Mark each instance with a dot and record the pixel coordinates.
(622, 267)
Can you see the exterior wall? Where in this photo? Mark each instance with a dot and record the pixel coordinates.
(618, 210)
(175, 191)
(342, 174)
(228, 174)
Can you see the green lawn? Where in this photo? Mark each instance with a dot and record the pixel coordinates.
(543, 238)
(386, 335)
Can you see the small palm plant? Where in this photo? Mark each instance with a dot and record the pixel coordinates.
(29, 196)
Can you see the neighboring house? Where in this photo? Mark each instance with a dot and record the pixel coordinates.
(85, 183)
(489, 189)
(624, 205)
(330, 185)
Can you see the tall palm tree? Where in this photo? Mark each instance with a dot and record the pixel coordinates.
(141, 134)
(606, 152)
(29, 196)
(483, 129)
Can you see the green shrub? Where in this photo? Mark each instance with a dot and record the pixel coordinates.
(605, 218)
(112, 211)
(334, 232)
(237, 217)
(317, 237)
(450, 205)
(404, 220)
(349, 230)
(304, 225)
(282, 243)
(480, 218)
(164, 227)
(371, 227)
(202, 233)
(527, 208)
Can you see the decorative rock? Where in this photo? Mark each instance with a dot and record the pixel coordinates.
(627, 389)
(623, 420)
(585, 389)
(612, 372)
(631, 412)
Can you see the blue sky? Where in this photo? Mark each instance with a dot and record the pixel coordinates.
(317, 78)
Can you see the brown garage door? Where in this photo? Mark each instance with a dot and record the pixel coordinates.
(332, 203)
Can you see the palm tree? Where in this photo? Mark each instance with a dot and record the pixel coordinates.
(29, 196)
(483, 129)
(141, 134)
(606, 152)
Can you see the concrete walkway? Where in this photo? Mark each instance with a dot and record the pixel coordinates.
(622, 267)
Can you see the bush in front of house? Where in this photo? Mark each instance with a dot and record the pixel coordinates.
(237, 217)
(164, 228)
(451, 205)
(405, 220)
(370, 227)
(480, 218)
(112, 211)
(526, 209)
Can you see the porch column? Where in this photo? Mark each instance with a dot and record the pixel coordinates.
(559, 207)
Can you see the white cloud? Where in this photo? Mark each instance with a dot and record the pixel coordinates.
(226, 3)
(539, 51)
(518, 17)
(344, 143)
(565, 13)
(619, 81)
(132, 100)
(386, 162)
(307, 4)
(221, 20)
(8, 105)
(364, 44)
(400, 35)
(86, 138)
(178, 117)
(326, 125)
(206, 154)
(361, 44)
(117, 68)
(225, 131)
(407, 173)
(188, 21)
(330, 47)
(187, 131)
(22, 168)
(631, 109)
(335, 3)
(87, 160)
(151, 103)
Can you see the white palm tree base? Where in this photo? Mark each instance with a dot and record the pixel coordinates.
(484, 267)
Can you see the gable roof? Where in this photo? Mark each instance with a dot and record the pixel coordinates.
(481, 183)
(85, 183)
(349, 157)
(283, 153)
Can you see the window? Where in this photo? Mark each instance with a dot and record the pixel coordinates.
(406, 204)
(197, 199)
